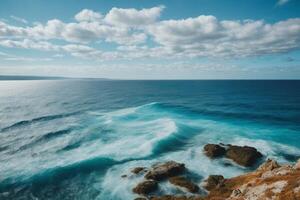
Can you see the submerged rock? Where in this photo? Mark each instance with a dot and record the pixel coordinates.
(214, 150)
(185, 183)
(245, 156)
(213, 181)
(137, 170)
(145, 187)
(165, 170)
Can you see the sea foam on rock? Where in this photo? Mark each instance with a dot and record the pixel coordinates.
(184, 183)
(145, 187)
(165, 170)
(245, 156)
(214, 150)
(269, 181)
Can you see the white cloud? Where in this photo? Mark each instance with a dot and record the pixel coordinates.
(11, 31)
(24, 21)
(88, 15)
(204, 35)
(207, 36)
(29, 44)
(133, 17)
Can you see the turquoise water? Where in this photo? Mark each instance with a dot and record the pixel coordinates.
(73, 139)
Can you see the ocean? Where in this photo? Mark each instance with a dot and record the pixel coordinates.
(75, 138)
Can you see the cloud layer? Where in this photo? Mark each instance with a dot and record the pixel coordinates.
(140, 33)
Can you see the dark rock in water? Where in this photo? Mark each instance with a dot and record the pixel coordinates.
(214, 150)
(140, 198)
(137, 170)
(184, 182)
(124, 176)
(173, 197)
(145, 187)
(165, 170)
(245, 156)
(213, 181)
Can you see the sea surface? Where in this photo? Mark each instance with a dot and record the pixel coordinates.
(74, 139)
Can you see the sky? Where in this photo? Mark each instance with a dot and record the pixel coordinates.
(143, 39)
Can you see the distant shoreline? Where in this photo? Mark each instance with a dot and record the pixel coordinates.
(29, 78)
(22, 78)
(15, 78)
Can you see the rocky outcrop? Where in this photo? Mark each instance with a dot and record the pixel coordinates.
(269, 181)
(214, 150)
(165, 170)
(242, 155)
(173, 197)
(245, 156)
(138, 170)
(145, 187)
(297, 165)
(184, 183)
(213, 182)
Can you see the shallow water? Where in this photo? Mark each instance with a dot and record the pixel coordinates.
(73, 139)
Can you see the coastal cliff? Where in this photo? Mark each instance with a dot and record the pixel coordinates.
(270, 181)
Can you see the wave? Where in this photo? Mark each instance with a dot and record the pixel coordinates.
(59, 173)
(146, 132)
(38, 119)
(257, 117)
(46, 137)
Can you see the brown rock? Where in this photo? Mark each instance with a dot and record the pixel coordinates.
(184, 182)
(173, 197)
(165, 170)
(214, 150)
(245, 156)
(138, 170)
(140, 198)
(276, 183)
(145, 187)
(269, 165)
(213, 181)
(297, 165)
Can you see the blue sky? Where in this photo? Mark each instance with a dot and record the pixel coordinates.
(139, 39)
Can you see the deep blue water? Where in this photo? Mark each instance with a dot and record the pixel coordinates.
(73, 139)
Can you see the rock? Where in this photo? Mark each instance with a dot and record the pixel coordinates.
(269, 165)
(165, 170)
(214, 150)
(184, 182)
(145, 187)
(173, 197)
(137, 170)
(213, 181)
(140, 198)
(297, 165)
(269, 181)
(124, 176)
(245, 156)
